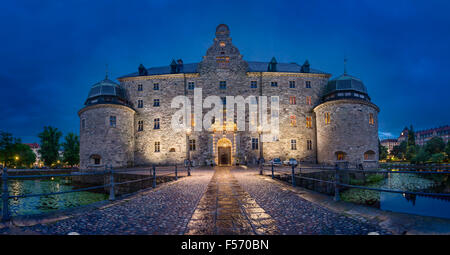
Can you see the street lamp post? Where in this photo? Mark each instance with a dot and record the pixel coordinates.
(260, 150)
(188, 151)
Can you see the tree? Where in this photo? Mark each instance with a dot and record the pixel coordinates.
(411, 137)
(447, 150)
(25, 156)
(435, 145)
(71, 148)
(421, 157)
(438, 157)
(399, 151)
(49, 145)
(382, 151)
(7, 146)
(411, 152)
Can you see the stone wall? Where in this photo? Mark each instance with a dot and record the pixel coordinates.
(349, 132)
(114, 145)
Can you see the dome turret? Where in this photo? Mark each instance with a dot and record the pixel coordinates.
(346, 86)
(107, 91)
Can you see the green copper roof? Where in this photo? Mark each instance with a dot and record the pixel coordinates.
(346, 82)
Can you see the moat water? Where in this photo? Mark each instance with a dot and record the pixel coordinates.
(45, 204)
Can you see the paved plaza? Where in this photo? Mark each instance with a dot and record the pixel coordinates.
(219, 201)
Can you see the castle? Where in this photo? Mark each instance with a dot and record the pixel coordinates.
(320, 120)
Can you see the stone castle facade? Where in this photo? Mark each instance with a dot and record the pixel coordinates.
(320, 120)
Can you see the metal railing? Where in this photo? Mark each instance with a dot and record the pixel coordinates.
(294, 174)
(108, 171)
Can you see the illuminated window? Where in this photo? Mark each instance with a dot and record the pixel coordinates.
(293, 121)
(292, 100)
(309, 122)
(308, 84)
(157, 146)
(192, 144)
(308, 100)
(255, 144)
(140, 103)
(222, 44)
(371, 120)
(156, 123)
(192, 120)
(140, 87)
(292, 84)
(191, 85)
(222, 85)
(327, 118)
(340, 155)
(293, 144)
(112, 121)
(156, 86)
(274, 84)
(309, 145)
(253, 84)
(369, 155)
(140, 125)
(155, 103)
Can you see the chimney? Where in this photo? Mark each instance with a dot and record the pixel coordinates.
(173, 67)
(142, 70)
(180, 66)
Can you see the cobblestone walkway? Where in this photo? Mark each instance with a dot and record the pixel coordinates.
(227, 209)
(166, 210)
(295, 215)
(224, 201)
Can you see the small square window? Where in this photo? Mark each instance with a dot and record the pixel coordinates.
(140, 125)
(191, 85)
(308, 100)
(308, 84)
(292, 84)
(309, 122)
(192, 144)
(253, 84)
(255, 144)
(155, 102)
(156, 123)
(222, 85)
(140, 103)
(292, 100)
(274, 84)
(157, 146)
(112, 121)
(309, 145)
(293, 144)
(156, 86)
(140, 87)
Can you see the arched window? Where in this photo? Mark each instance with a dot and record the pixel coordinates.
(172, 150)
(340, 155)
(95, 159)
(369, 155)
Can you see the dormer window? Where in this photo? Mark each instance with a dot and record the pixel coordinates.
(222, 44)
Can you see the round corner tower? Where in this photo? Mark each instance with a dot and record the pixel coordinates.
(106, 127)
(347, 125)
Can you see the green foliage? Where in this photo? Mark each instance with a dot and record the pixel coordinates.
(399, 151)
(7, 148)
(374, 178)
(447, 151)
(383, 152)
(435, 145)
(411, 151)
(421, 157)
(411, 137)
(25, 155)
(438, 157)
(71, 149)
(49, 145)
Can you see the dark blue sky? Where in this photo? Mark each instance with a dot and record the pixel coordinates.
(53, 51)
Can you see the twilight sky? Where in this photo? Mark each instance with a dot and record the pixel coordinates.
(53, 51)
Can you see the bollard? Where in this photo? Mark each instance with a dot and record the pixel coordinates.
(5, 195)
(154, 177)
(112, 195)
(189, 168)
(176, 172)
(293, 175)
(336, 184)
(272, 171)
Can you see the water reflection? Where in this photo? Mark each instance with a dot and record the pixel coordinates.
(35, 205)
(414, 204)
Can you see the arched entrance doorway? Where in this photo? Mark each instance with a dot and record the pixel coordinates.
(224, 152)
